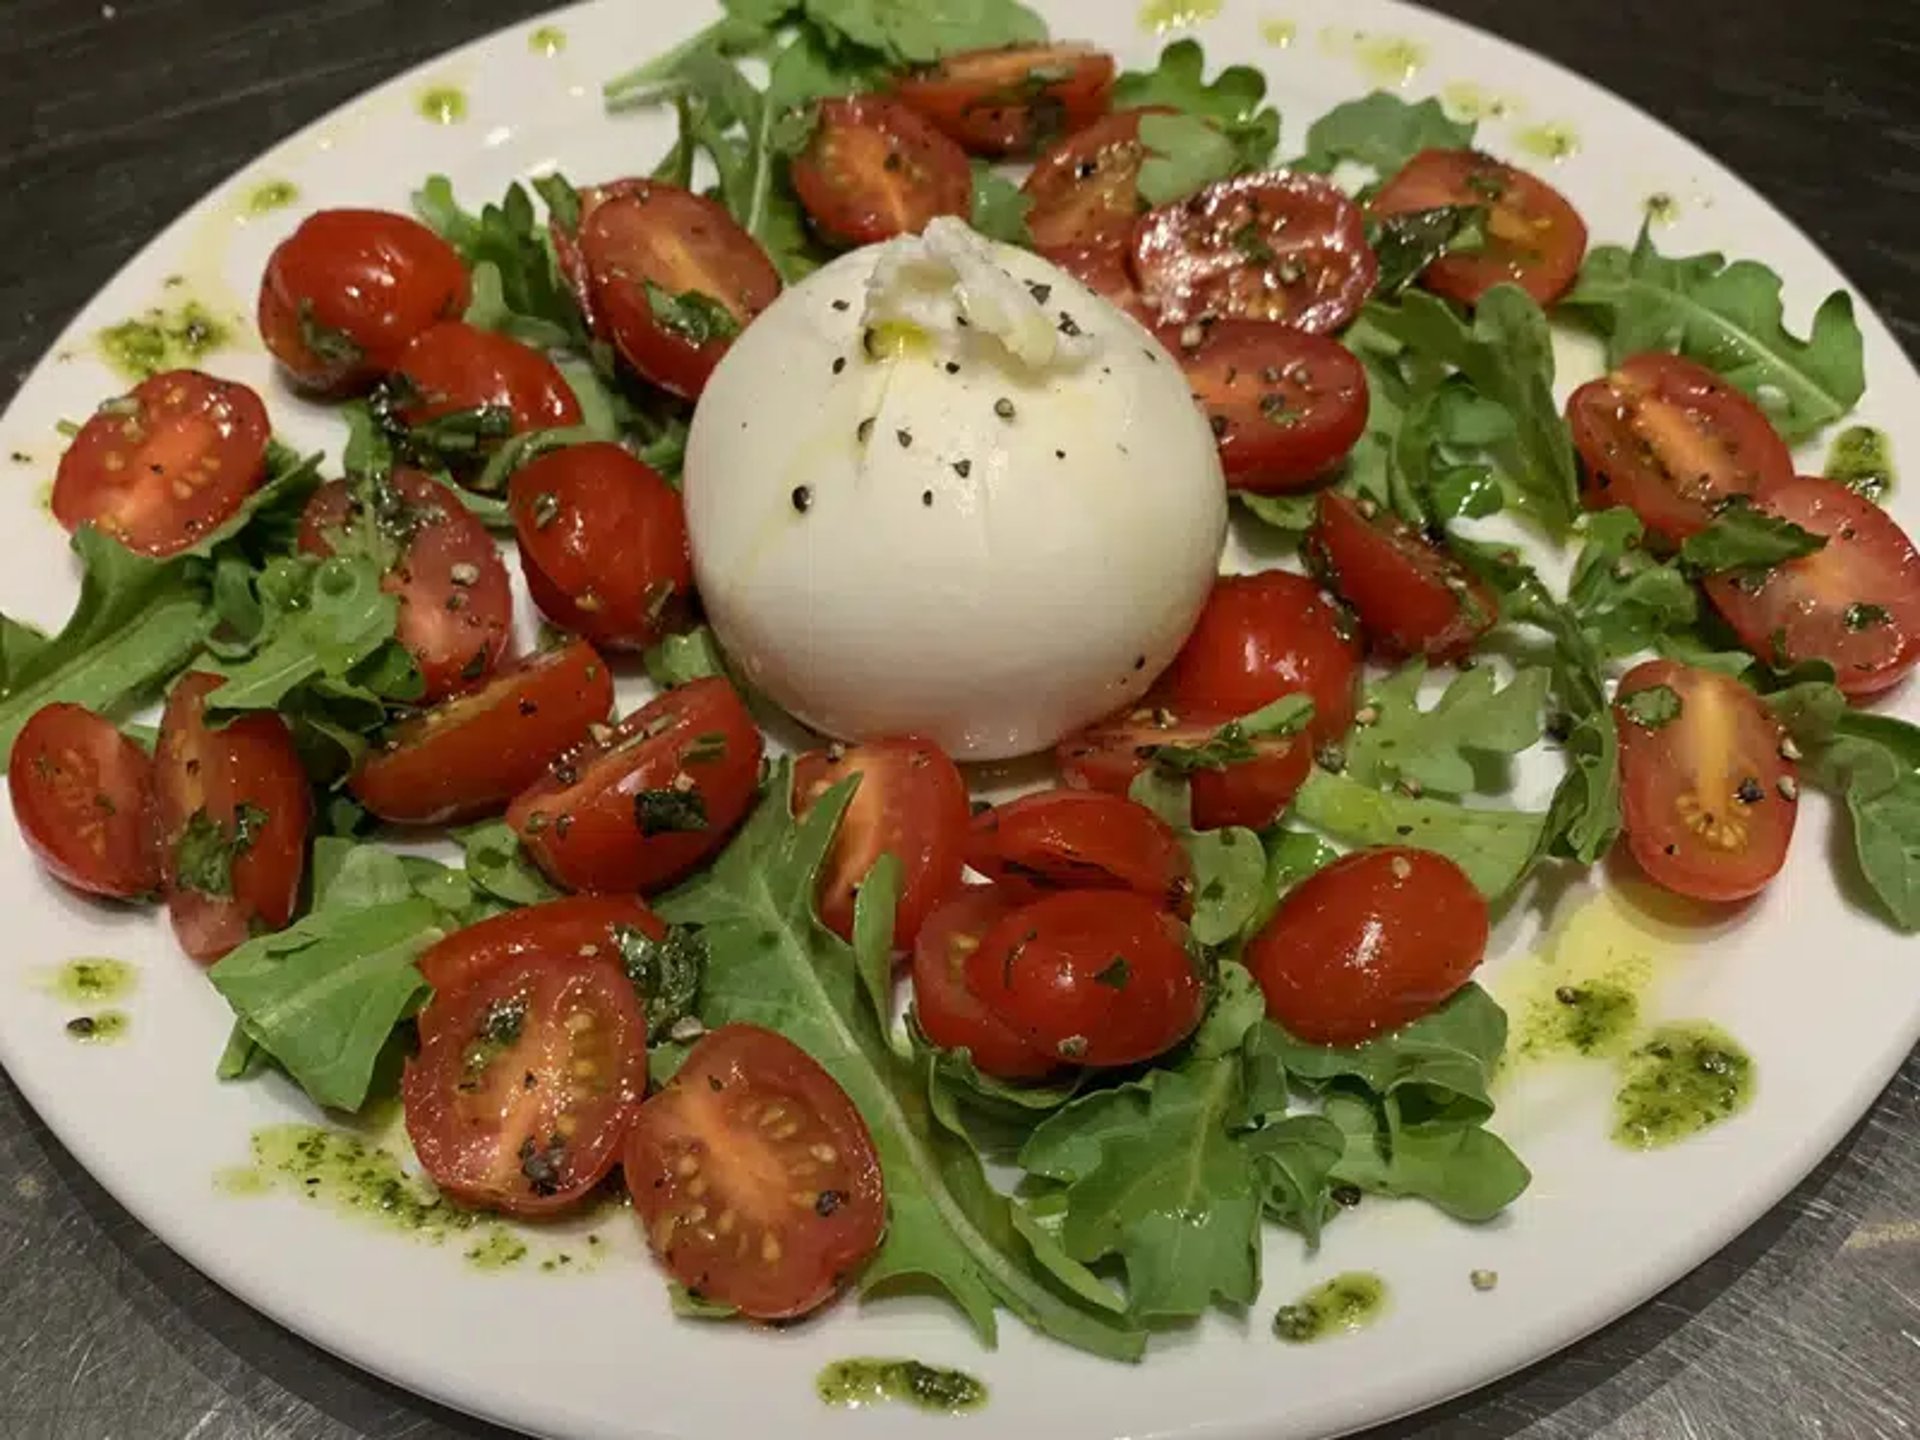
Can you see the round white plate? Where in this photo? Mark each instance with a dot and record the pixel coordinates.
(1826, 998)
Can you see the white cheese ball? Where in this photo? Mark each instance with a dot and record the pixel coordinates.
(941, 488)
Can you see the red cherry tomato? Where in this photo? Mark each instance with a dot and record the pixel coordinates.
(911, 803)
(1284, 247)
(580, 927)
(1095, 977)
(1084, 840)
(1285, 406)
(566, 243)
(754, 1178)
(455, 367)
(1086, 190)
(1103, 270)
(1412, 597)
(673, 279)
(1375, 940)
(603, 542)
(875, 169)
(1707, 798)
(83, 794)
(1854, 603)
(1011, 100)
(527, 1081)
(345, 292)
(948, 1012)
(164, 466)
(1535, 239)
(456, 603)
(471, 755)
(1253, 793)
(660, 794)
(234, 808)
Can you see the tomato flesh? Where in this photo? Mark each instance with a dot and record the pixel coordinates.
(1103, 270)
(1086, 190)
(454, 367)
(1010, 100)
(583, 927)
(1083, 839)
(875, 169)
(1252, 793)
(948, 1012)
(83, 795)
(1411, 596)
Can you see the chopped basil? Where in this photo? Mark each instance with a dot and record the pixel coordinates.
(1653, 707)
(696, 317)
(203, 856)
(665, 812)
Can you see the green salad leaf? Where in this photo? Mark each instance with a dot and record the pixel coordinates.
(999, 206)
(1406, 243)
(1382, 132)
(681, 659)
(499, 867)
(1445, 749)
(518, 287)
(1494, 847)
(1220, 129)
(1183, 154)
(912, 32)
(1744, 538)
(1624, 598)
(319, 619)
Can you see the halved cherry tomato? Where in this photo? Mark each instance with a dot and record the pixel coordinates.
(1086, 190)
(1095, 977)
(947, 1010)
(653, 799)
(1854, 603)
(1412, 597)
(165, 465)
(1535, 239)
(1285, 406)
(1285, 247)
(911, 803)
(1109, 756)
(1103, 270)
(474, 753)
(875, 169)
(456, 602)
(1375, 940)
(1011, 100)
(754, 1178)
(455, 367)
(1672, 440)
(346, 291)
(234, 806)
(673, 278)
(1707, 798)
(580, 927)
(1263, 636)
(603, 542)
(1084, 840)
(83, 794)
(528, 1079)
(566, 243)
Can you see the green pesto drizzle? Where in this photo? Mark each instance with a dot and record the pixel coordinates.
(548, 40)
(1684, 1079)
(102, 1028)
(860, 1382)
(163, 339)
(271, 195)
(1348, 1302)
(443, 104)
(1862, 460)
(1554, 140)
(94, 979)
(1157, 17)
(1660, 208)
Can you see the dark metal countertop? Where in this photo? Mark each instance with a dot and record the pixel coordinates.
(114, 117)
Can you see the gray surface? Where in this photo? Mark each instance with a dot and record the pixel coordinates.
(1808, 1325)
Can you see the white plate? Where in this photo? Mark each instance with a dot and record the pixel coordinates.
(1826, 999)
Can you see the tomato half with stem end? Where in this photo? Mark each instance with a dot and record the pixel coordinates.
(344, 293)
(234, 809)
(580, 927)
(165, 465)
(875, 169)
(1010, 100)
(1854, 603)
(1283, 247)
(83, 796)
(1254, 793)
(1285, 406)
(652, 799)
(1707, 798)
(673, 278)
(948, 1012)
(1412, 597)
(1095, 977)
(454, 367)
(911, 803)
(1674, 442)
(1534, 238)
(1085, 840)
(1372, 942)
(566, 243)
(1086, 189)
(528, 1079)
(754, 1178)
(472, 754)
(456, 602)
(1103, 270)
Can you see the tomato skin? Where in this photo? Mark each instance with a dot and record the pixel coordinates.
(578, 927)
(165, 465)
(529, 1123)
(470, 756)
(367, 281)
(1103, 270)
(83, 796)
(1373, 941)
(1535, 239)
(1083, 839)
(583, 823)
(603, 543)
(1854, 603)
(454, 366)
(1007, 101)
(1708, 800)
(1086, 189)
(456, 630)
(790, 1202)
(912, 803)
(1411, 596)
(1672, 440)
(948, 1012)
(1040, 970)
(875, 168)
(1310, 265)
(1285, 406)
(250, 761)
(1109, 756)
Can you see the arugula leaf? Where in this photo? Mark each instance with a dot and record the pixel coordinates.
(1745, 538)
(999, 206)
(666, 972)
(500, 868)
(1382, 132)
(1435, 749)
(682, 659)
(1624, 598)
(913, 32)
(1183, 154)
(1232, 743)
(1494, 847)
(1229, 882)
(518, 287)
(321, 619)
(1231, 106)
(1407, 243)
(1730, 318)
